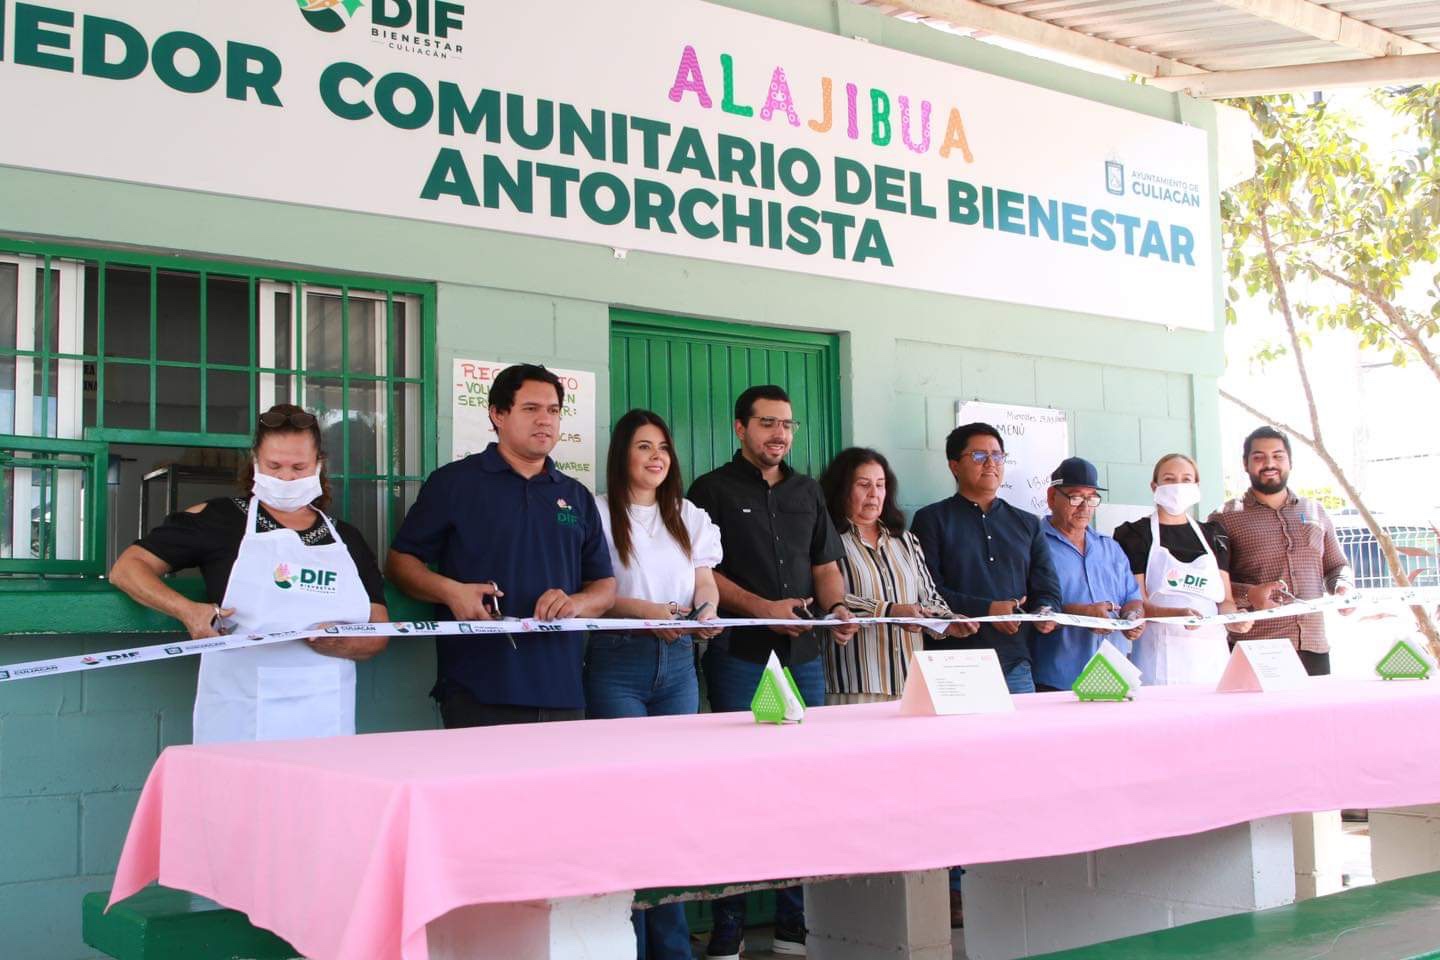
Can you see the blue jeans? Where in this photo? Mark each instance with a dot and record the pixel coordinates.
(639, 675)
(1018, 679)
(731, 684)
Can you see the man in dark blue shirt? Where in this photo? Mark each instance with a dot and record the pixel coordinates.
(505, 526)
(988, 558)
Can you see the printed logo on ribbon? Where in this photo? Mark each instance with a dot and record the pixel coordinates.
(117, 656)
(328, 16)
(174, 651)
(306, 579)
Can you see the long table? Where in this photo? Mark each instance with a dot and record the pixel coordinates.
(353, 847)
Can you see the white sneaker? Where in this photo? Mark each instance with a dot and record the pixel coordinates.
(788, 948)
(739, 948)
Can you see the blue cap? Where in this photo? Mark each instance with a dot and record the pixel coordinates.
(1076, 472)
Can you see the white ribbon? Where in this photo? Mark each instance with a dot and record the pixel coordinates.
(1389, 597)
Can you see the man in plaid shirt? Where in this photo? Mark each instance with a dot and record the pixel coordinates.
(1282, 546)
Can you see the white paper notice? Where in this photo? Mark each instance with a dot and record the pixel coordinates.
(794, 709)
(1120, 662)
(1263, 665)
(949, 682)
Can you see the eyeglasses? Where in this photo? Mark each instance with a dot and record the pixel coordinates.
(980, 456)
(275, 420)
(1080, 499)
(770, 423)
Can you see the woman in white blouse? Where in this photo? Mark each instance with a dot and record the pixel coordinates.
(664, 550)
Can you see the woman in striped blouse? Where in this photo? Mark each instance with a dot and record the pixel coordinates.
(885, 576)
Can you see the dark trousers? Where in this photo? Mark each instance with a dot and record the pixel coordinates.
(1316, 664)
(459, 709)
(730, 683)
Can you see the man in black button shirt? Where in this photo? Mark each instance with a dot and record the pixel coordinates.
(781, 554)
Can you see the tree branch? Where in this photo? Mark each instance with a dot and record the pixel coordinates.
(1316, 440)
(1408, 332)
(1282, 294)
(1258, 414)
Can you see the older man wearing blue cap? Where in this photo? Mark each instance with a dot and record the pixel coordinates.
(1095, 578)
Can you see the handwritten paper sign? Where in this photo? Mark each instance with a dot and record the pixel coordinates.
(953, 682)
(1036, 440)
(471, 432)
(1263, 666)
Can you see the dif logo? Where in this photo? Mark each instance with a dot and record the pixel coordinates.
(307, 578)
(430, 17)
(328, 16)
(1186, 582)
(425, 17)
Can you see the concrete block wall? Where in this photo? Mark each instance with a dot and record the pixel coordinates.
(76, 749)
(1026, 907)
(1404, 841)
(1122, 419)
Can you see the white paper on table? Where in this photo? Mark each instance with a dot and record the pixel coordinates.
(1120, 662)
(794, 709)
(1263, 666)
(951, 682)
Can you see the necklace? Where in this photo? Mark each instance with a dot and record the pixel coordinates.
(650, 524)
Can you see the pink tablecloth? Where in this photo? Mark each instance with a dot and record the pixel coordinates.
(348, 847)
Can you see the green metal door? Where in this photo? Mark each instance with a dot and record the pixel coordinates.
(690, 372)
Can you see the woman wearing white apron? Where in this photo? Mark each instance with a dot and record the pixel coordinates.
(1180, 565)
(271, 563)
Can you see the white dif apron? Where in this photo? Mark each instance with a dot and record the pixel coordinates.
(1169, 653)
(282, 690)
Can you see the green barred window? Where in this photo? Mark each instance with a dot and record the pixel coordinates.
(130, 383)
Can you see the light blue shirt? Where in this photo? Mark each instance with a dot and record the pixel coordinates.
(1102, 572)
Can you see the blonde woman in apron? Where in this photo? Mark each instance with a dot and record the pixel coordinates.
(271, 563)
(1181, 569)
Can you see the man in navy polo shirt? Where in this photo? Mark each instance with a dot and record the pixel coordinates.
(506, 523)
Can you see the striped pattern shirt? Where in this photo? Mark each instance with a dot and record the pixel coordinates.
(876, 660)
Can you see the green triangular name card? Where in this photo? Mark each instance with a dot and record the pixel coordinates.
(777, 699)
(1108, 676)
(1101, 681)
(1403, 662)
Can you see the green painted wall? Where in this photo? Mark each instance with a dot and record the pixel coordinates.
(74, 750)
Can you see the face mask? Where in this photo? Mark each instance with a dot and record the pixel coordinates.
(1177, 498)
(286, 494)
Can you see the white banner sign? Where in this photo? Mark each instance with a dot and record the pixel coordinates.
(1036, 440)
(470, 432)
(671, 126)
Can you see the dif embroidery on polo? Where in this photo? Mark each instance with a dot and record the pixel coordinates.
(565, 514)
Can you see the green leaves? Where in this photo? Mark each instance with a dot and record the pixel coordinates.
(1346, 228)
